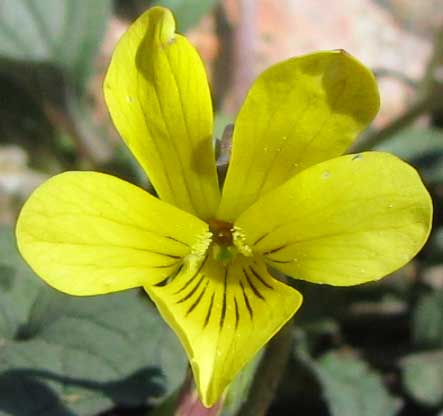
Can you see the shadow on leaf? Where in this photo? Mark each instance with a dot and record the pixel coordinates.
(26, 392)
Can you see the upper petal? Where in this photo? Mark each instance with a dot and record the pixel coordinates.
(298, 113)
(158, 96)
(223, 316)
(346, 221)
(88, 233)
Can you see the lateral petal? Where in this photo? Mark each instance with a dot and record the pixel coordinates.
(158, 96)
(298, 113)
(343, 222)
(87, 233)
(223, 316)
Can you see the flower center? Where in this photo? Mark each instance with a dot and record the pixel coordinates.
(221, 231)
(222, 247)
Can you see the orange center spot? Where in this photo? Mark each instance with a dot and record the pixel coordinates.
(222, 232)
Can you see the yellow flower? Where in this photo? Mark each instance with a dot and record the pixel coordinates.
(290, 201)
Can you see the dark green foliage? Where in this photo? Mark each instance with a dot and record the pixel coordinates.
(78, 356)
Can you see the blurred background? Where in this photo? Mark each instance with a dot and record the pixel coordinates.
(372, 350)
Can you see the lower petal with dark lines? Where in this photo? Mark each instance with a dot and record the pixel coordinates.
(223, 315)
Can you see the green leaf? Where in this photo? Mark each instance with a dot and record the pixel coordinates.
(427, 322)
(64, 32)
(350, 387)
(187, 12)
(423, 376)
(423, 148)
(63, 355)
(19, 287)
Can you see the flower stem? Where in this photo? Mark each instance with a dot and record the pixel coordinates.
(187, 402)
(269, 373)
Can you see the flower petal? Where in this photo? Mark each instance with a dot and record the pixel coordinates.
(158, 96)
(87, 233)
(298, 113)
(346, 221)
(223, 316)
